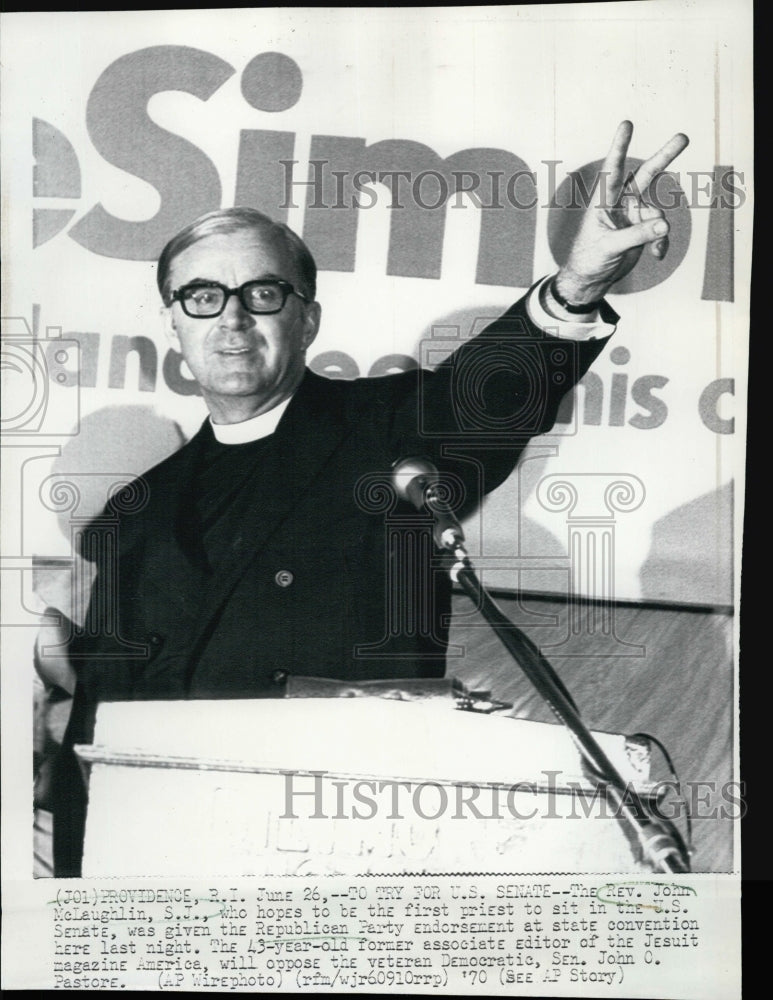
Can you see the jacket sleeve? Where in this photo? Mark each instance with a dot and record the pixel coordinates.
(482, 405)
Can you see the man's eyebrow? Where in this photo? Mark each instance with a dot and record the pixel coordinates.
(270, 276)
(200, 281)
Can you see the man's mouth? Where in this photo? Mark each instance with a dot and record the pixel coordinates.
(234, 351)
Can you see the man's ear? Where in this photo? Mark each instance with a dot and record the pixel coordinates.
(311, 323)
(170, 329)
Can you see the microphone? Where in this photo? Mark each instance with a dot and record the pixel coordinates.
(418, 481)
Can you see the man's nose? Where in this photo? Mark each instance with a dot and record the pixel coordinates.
(234, 314)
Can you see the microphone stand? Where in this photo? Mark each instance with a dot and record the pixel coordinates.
(660, 842)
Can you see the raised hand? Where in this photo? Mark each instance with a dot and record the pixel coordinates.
(619, 223)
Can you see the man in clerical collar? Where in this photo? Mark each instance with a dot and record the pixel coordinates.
(259, 550)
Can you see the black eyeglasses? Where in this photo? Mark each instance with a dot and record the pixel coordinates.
(207, 299)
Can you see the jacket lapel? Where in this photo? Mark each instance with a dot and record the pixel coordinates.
(310, 431)
(174, 555)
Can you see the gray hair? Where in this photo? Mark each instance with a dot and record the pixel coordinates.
(232, 220)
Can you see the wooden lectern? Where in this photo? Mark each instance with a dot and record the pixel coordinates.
(345, 786)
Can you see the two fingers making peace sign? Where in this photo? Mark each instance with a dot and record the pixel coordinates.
(619, 224)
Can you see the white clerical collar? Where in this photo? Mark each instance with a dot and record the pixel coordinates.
(252, 429)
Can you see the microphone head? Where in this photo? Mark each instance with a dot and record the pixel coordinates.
(411, 477)
(417, 480)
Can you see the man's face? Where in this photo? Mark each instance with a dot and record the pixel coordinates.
(245, 364)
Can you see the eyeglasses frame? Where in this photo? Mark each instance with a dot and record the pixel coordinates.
(285, 287)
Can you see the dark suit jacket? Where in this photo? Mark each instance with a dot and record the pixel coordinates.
(328, 573)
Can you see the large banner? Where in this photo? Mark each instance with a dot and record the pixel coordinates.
(436, 164)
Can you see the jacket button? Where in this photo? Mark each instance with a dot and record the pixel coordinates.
(155, 639)
(279, 676)
(283, 578)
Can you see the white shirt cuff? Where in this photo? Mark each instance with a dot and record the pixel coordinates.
(578, 329)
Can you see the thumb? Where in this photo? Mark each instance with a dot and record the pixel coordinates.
(637, 235)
